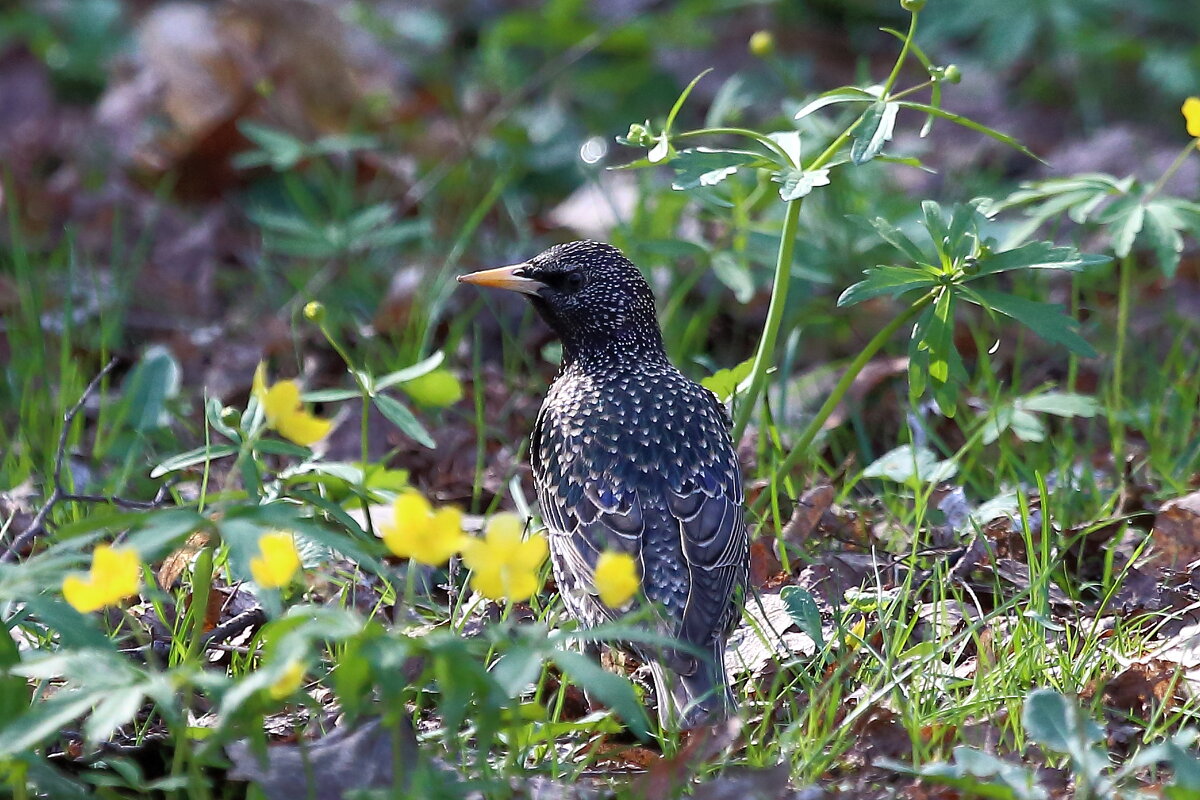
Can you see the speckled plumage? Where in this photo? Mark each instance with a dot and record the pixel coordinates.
(630, 455)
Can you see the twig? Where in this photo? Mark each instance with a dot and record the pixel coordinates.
(59, 493)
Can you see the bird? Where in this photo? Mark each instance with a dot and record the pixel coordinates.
(629, 455)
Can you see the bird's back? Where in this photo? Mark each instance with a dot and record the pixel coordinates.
(633, 456)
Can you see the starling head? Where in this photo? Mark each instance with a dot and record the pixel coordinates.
(588, 292)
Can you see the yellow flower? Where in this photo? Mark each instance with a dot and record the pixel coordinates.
(420, 533)
(277, 560)
(116, 574)
(282, 408)
(1191, 115)
(504, 566)
(616, 578)
(289, 682)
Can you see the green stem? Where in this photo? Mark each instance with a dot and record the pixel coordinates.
(891, 81)
(1171, 170)
(800, 449)
(766, 346)
(1124, 297)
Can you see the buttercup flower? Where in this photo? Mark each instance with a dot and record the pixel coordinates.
(1191, 115)
(420, 533)
(616, 578)
(116, 573)
(289, 682)
(277, 560)
(503, 565)
(284, 412)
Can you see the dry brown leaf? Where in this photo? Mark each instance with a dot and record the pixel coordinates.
(1176, 536)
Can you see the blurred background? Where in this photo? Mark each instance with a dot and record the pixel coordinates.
(186, 176)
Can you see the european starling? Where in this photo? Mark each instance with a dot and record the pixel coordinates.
(629, 455)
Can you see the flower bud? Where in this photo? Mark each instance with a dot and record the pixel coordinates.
(952, 73)
(231, 416)
(639, 135)
(912, 6)
(762, 43)
(314, 312)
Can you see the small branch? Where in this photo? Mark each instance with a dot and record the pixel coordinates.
(59, 493)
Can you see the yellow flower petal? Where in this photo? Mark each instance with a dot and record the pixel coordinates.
(277, 561)
(81, 594)
(616, 578)
(504, 530)
(503, 565)
(116, 574)
(530, 554)
(281, 400)
(487, 582)
(258, 387)
(289, 682)
(303, 428)
(1191, 115)
(519, 585)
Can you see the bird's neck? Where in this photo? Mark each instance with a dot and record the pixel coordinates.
(633, 348)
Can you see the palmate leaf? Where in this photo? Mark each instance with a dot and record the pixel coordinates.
(895, 237)
(705, 166)
(797, 183)
(1160, 231)
(873, 131)
(889, 280)
(1045, 319)
(1036, 255)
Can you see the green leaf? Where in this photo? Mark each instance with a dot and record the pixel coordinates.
(725, 382)
(193, 457)
(153, 382)
(613, 690)
(844, 94)
(1060, 404)
(517, 669)
(1058, 724)
(1046, 320)
(966, 122)
(889, 280)
(683, 96)
(896, 238)
(402, 418)
(704, 166)
(798, 183)
(45, 719)
(873, 131)
(912, 466)
(418, 369)
(1125, 219)
(1036, 255)
(802, 608)
(735, 274)
(117, 707)
(436, 389)
(1160, 230)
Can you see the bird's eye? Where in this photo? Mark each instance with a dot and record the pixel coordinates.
(574, 281)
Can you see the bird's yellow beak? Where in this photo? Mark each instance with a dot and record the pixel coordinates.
(504, 278)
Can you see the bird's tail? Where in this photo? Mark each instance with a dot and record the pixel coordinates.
(694, 693)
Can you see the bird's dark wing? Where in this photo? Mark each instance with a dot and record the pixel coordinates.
(682, 520)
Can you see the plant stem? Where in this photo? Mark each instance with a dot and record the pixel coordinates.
(800, 449)
(1171, 170)
(766, 345)
(1124, 296)
(900, 59)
